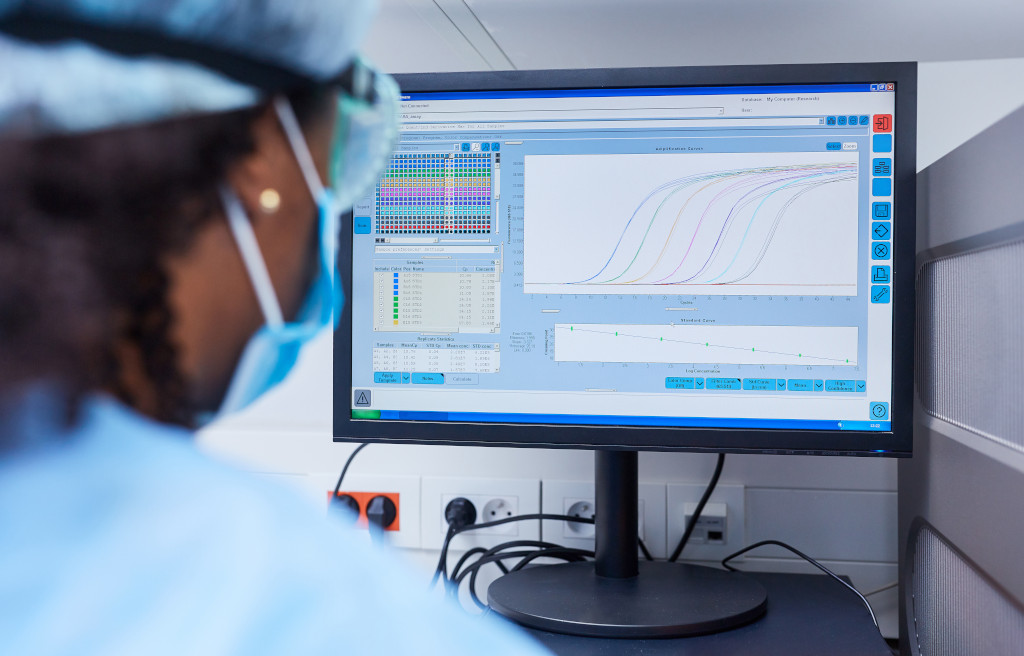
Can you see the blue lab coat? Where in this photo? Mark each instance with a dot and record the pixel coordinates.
(119, 537)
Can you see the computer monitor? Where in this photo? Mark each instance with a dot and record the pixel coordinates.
(715, 259)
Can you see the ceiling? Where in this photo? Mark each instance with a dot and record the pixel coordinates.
(451, 35)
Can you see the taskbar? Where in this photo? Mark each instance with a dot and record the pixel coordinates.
(623, 420)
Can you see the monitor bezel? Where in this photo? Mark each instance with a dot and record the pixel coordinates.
(895, 443)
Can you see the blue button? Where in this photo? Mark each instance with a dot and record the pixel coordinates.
(833, 145)
(880, 210)
(819, 385)
(881, 166)
(759, 384)
(879, 410)
(853, 120)
(673, 382)
(881, 187)
(840, 120)
(698, 383)
(723, 383)
(879, 293)
(465, 147)
(881, 230)
(839, 386)
(830, 120)
(863, 120)
(495, 146)
(801, 385)
(880, 250)
(780, 384)
(880, 274)
(881, 143)
(387, 377)
(485, 146)
(862, 386)
(405, 378)
(361, 225)
(427, 379)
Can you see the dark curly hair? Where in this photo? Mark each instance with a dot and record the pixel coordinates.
(85, 224)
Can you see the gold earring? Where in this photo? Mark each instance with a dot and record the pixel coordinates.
(270, 201)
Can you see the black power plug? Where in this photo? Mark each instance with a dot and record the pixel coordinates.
(381, 511)
(343, 503)
(460, 513)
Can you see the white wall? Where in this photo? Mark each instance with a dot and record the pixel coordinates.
(842, 509)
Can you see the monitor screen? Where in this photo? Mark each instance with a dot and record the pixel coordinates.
(705, 259)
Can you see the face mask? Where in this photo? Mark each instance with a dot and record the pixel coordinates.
(363, 144)
(273, 350)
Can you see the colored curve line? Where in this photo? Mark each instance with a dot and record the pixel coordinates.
(734, 190)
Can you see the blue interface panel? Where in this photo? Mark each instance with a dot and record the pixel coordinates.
(705, 257)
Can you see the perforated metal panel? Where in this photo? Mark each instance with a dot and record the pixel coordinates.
(971, 341)
(954, 611)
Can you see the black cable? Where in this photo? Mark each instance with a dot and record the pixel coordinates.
(522, 518)
(351, 457)
(725, 564)
(466, 556)
(562, 553)
(494, 554)
(472, 570)
(643, 548)
(690, 525)
(440, 572)
(442, 562)
(457, 576)
(485, 552)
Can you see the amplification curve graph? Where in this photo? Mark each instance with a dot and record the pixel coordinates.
(722, 223)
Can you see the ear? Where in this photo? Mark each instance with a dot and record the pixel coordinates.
(272, 166)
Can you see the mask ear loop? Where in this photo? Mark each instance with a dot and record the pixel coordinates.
(249, 248)
(304, 158)
(290, 124)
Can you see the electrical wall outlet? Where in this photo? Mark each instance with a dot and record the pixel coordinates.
(360, 503)
(577, 497)
(493, 499)
(724, 511)
(404, 492)
(711, 526)
(489, 508)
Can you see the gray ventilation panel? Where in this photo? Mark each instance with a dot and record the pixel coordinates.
(954, 610)
(971, 341)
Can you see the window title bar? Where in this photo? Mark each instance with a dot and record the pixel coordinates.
(645, 91)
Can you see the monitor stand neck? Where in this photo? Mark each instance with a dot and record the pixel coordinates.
(616, 596)
(616, 497)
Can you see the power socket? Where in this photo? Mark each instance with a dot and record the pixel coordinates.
(403, 490)
(493, 498)
(578, 508)
(577, 498)
(488, 509)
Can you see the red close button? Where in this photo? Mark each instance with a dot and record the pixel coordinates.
(883, 122)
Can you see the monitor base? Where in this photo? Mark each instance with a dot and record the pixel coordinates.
(666, 600)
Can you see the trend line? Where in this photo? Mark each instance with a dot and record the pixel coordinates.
(620, 333)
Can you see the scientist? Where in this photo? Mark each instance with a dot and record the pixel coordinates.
(171, 173)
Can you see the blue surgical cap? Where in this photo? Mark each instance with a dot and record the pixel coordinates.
(72, 66)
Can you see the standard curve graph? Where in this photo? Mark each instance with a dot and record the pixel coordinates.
(653, 343)
(722, 223)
